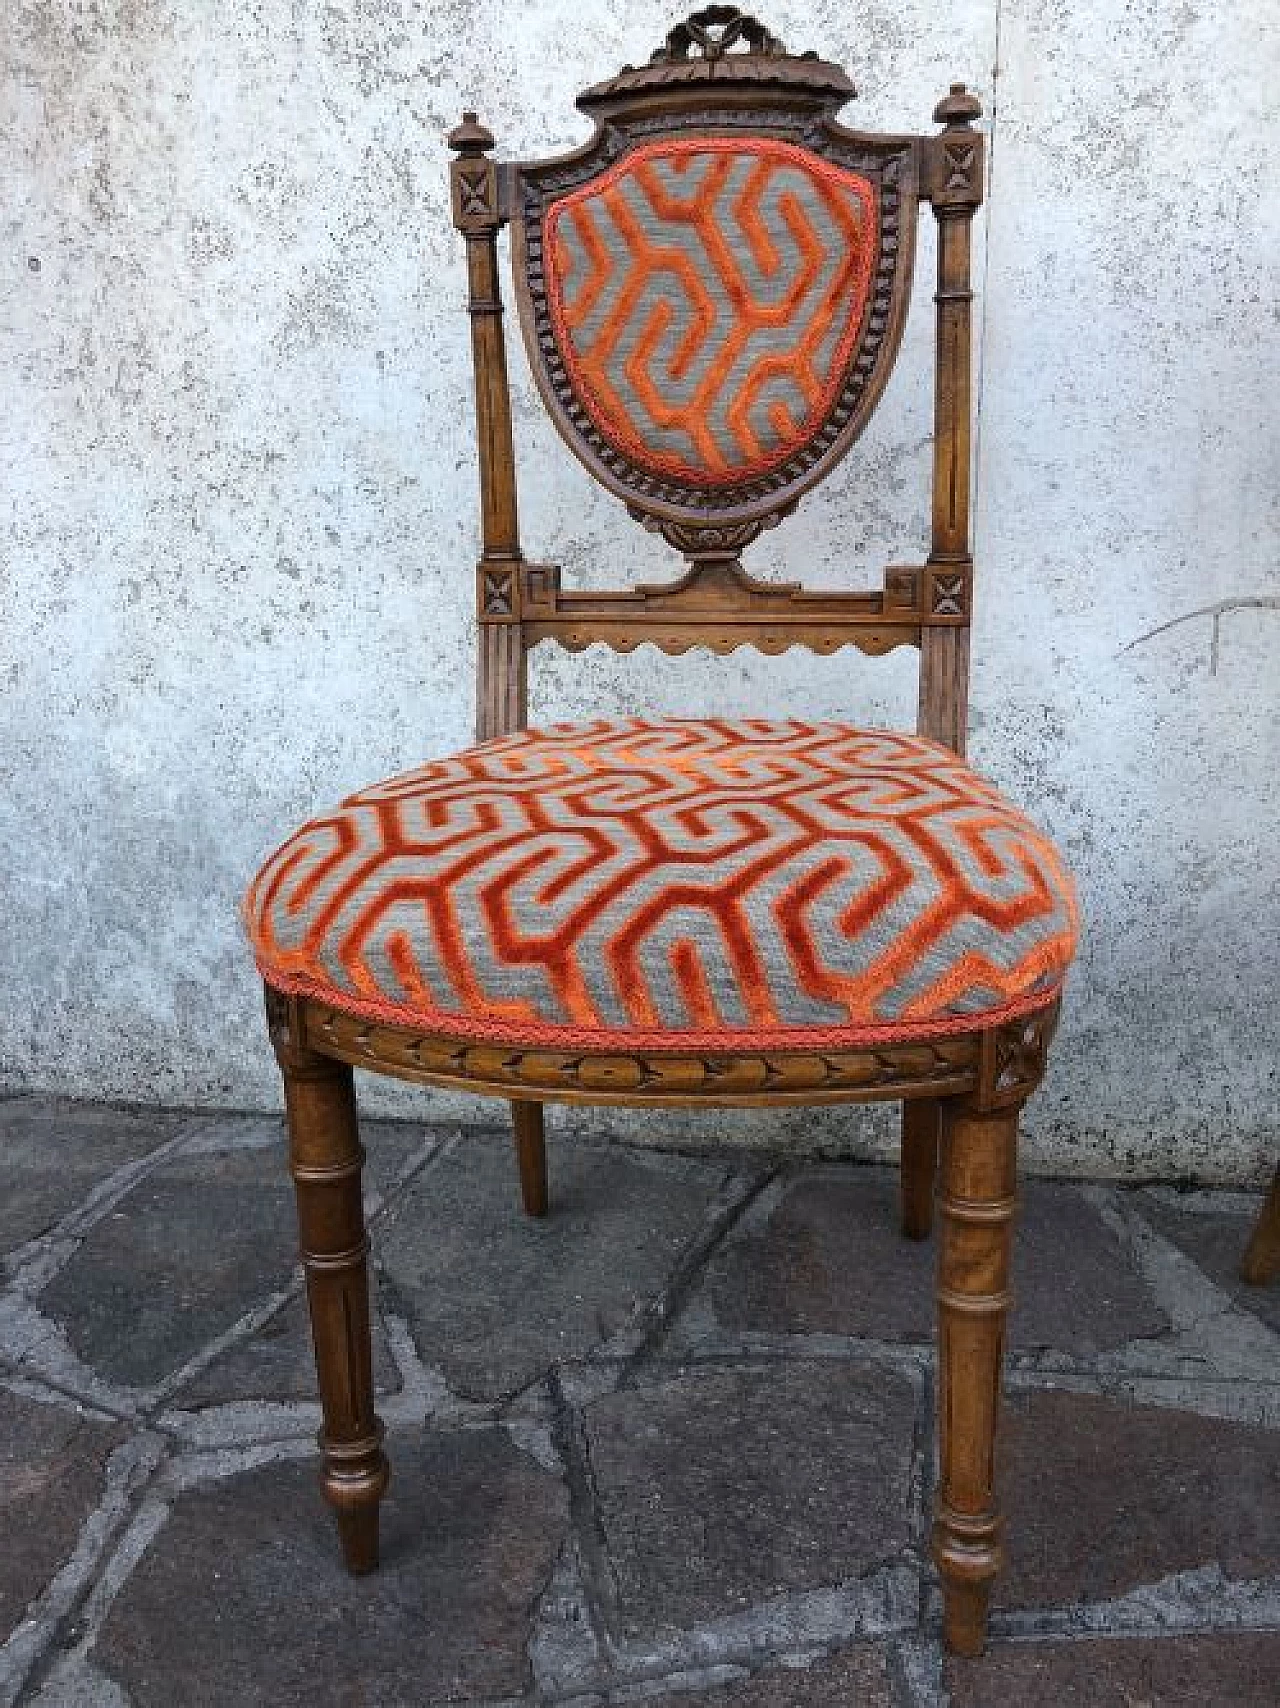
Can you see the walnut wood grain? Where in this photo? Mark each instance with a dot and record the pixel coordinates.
(716, 605)
(500, 696)
(944, 687)
(501, 682)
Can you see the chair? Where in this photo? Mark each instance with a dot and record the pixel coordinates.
(1262, 1255)
(694, 913)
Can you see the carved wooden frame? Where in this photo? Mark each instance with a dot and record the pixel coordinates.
(714, 92)
(961, 1091)
(683, 512)
(996, 1068)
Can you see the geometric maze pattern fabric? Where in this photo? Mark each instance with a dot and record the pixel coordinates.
(666, 882)
(707, 296)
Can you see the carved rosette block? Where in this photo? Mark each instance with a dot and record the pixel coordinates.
(1014, 1058)
(948, 594)
(498, 592)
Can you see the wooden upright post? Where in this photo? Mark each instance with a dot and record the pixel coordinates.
(501, 678)
(954, 186)
(953, 183)
(501, 674)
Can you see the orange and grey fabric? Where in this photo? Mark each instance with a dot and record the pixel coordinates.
(752, 884)
(708, 297)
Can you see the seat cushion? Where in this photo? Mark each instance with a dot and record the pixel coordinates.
(670, 882)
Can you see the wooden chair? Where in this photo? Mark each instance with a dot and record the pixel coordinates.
(1262, 1256)
(695, 913)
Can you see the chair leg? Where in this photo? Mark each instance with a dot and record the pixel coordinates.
(325, 1158)
(921, 1120)
(978, 1184)
(1262, 1259)
(531, 1156)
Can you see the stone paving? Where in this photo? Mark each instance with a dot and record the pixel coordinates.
(672, 1446)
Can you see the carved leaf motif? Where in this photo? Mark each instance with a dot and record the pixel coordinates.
(692, 539)
(942, 1062)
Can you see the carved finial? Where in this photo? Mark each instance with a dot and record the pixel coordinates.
(958, 109)
(475, 179)
(716, 29)
(470, 137)
(729, 49)
(957, 154)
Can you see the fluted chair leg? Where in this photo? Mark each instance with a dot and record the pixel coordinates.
(976, 1203)
(325, 1160)
(1262, 1258)
(531, 1156)
(921, 1122)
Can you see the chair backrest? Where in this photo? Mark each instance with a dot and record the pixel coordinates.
(712, 293)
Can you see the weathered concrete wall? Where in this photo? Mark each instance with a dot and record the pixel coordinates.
(241, 508)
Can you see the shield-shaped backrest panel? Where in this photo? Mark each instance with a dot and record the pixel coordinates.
(707, 296)
(712, 296)
(712, 292)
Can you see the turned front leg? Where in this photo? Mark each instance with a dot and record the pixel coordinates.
(325, 1159)
(976, 1203)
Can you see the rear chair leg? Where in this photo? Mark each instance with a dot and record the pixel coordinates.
(531, 1155)
(325, 1158)
(1262, 1259)
(921, 1123)
(978, 1179)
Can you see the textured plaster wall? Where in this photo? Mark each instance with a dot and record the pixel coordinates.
(239, 513)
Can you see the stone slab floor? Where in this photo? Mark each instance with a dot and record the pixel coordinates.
(673, 1446)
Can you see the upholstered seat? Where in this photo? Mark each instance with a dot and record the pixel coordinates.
(756, 884)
